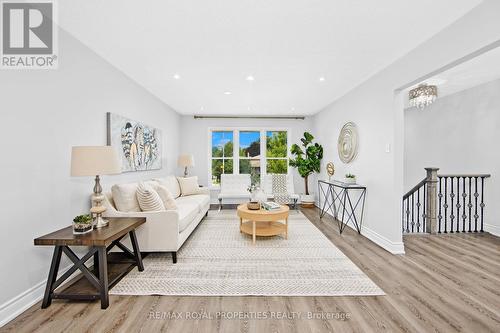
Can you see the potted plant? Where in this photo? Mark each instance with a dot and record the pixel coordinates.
(82, 224)
(307, 160)
(350, 178)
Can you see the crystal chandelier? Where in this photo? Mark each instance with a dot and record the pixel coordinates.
(422, 96)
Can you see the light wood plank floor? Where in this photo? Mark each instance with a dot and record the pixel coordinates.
(445, 283)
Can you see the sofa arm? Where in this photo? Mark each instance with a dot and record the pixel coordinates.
(203, 190)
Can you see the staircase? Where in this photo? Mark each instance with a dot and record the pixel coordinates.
(445, 204)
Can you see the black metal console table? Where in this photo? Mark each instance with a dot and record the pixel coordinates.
(348, 199)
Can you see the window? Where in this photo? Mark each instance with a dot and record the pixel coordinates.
(248, 151)
(222, 154)
(276, 152)
(250, 154)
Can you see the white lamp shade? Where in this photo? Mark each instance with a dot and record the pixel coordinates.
(94, 160)
(185, 161)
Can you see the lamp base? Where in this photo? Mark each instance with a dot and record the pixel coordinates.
(100, 222)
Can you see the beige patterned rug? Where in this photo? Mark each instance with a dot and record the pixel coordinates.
(217, 260)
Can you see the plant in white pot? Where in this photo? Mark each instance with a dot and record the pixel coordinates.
(307, 160)
(350, 178)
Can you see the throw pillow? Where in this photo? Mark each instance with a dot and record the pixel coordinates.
(166, 197)
(148, 198)
(189, 185)
(124, 196)
(171, 183)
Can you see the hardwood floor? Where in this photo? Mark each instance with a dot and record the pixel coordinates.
(444, 283)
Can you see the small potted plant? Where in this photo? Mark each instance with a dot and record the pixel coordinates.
(350, 178)
(82, 224)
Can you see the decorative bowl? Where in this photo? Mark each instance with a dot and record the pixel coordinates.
(253, 205)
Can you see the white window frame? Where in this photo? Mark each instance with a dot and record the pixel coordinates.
(236, 146)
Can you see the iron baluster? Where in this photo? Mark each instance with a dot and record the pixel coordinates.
(440, 196)
(482, 203)
(452, 197)
(464, 196)
(470, 204)
(476, 194)
(445, 205)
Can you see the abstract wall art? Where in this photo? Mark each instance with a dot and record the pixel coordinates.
(138, 144)
(348, 142)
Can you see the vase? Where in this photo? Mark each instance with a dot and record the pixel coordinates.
(259, 196)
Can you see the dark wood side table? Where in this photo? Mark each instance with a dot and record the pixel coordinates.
(100, 242)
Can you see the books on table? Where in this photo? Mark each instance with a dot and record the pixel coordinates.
(270, 205)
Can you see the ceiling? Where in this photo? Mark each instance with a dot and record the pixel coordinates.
(479, 70)
(189, 53)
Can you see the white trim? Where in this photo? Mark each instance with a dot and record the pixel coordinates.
(22, 302)
(492, 229)
(383, 242)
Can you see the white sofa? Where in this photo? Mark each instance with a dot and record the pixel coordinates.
(165, 231)
(234, 188)
(267, 186)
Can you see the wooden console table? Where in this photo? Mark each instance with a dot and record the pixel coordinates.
(100, 242)
(342, 196)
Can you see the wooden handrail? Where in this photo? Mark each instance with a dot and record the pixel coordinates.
(415, 188)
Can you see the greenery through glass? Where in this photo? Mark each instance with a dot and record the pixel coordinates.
(219, 167)
(222, 144)
(249, 143)
(276, 152)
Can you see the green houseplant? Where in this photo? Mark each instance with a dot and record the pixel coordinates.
(82, 224)
(307, 160)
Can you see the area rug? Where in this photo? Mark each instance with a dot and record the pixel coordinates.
(218, 260)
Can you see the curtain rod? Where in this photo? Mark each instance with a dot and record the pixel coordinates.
(250, 117)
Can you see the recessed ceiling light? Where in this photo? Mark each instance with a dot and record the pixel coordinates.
(293, 109)
(250, 78)
(227, 93)
(322, 78)
(177, 76)
(249, 108)
(202, 108)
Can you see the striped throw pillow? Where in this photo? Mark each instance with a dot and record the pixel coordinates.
(148, 198)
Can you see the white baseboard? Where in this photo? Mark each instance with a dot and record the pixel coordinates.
(492, 229)
(383, 242)
(22, 302)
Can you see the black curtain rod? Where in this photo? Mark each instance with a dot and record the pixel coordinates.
(250, 117)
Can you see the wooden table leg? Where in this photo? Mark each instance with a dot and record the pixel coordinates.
(253, 232)
(103, 277)
(54, 268)
(286, 228)
(137, 251)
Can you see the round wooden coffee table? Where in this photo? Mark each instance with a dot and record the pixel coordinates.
(263, 222)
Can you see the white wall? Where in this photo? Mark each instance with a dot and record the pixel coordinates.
(195, 138)
(44, 113)
(458, 134)
(379, 116)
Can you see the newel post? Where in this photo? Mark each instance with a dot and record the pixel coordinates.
(431, 208)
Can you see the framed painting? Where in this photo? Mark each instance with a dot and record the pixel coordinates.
(138, 144)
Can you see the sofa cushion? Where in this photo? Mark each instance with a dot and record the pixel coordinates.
(149, 199)
(187, 212)
(166, 197)
(171, 183)
(125, 198)
(188, 185)
(201, 200)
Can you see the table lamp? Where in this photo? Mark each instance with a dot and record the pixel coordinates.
(95, 161)
(185, 161)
